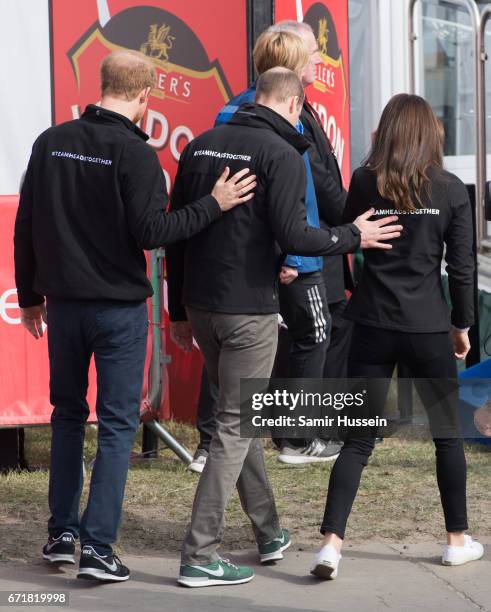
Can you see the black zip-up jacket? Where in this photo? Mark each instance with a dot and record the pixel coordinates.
(401, 288)
(331, 199)
(232, 266)
(93, 198)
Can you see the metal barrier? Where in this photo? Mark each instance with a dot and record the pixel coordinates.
(158, 360)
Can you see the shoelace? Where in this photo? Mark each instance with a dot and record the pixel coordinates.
(314, 446)
(229, 563)
(117, 559)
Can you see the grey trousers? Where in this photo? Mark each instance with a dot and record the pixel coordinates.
(234, 346)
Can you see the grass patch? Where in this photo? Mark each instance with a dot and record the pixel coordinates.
(398, 495)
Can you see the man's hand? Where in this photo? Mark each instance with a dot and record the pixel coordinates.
(287, 275)
(32, 319)
(229, 193)
(182, 335)
(482, 420)
(460, 341)
(372, 232)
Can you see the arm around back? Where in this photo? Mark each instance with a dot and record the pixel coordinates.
(285, 195)
(145, 198)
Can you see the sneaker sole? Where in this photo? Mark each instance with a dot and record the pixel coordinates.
(206, 582)
(276, 555)
(293, 460)
(92, 573)
(463, 562)
(196, 467)
(324, 571)
(57, 558)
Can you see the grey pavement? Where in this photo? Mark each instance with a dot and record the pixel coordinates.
(374, 576)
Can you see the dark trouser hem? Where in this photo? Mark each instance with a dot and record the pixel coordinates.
(55, 532)
(453, 528)
(329, 529)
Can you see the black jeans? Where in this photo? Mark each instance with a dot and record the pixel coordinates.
(116, 334)
(374, 354)
(336, 361)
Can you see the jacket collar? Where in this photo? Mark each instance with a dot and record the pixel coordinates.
(95, 113)
(259, 116)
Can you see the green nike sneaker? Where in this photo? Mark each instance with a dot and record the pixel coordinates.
(273, 551)
(214, 574)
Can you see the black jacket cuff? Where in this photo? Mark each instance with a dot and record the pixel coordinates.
(27, 299)
(212, 205)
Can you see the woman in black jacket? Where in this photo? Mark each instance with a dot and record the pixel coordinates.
(399, 310)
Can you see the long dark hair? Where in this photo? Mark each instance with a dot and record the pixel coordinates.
(408, 142)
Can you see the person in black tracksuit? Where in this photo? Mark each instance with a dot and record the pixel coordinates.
(400, 315)
(93, 199)
(225, 279)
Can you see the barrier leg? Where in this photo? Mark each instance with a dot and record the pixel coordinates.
(160, 431)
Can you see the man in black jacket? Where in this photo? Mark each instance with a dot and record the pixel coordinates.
(224, 280)
(93, 198)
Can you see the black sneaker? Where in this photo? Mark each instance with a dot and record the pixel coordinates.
(60, 549)
(96, 567)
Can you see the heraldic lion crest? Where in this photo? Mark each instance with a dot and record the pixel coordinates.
(159, 42)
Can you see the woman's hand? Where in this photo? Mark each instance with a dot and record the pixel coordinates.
(460, 341)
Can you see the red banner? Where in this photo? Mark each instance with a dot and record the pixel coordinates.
(24, 372)
(24, 367)
(329, 93)
(201, 60)
(200, 57)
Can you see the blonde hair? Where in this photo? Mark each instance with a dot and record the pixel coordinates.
(283, 49)
(289, 25)
(280, 84)
(125, 73)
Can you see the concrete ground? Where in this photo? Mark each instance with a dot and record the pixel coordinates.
(374, 576)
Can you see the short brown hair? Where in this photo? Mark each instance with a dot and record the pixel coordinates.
(125, 73)
(280, 84)
(283, 49)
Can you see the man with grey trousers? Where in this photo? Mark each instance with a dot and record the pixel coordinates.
(223, 289)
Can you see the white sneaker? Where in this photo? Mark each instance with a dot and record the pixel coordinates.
(199, 461)
(326, 563)
(458, 555)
